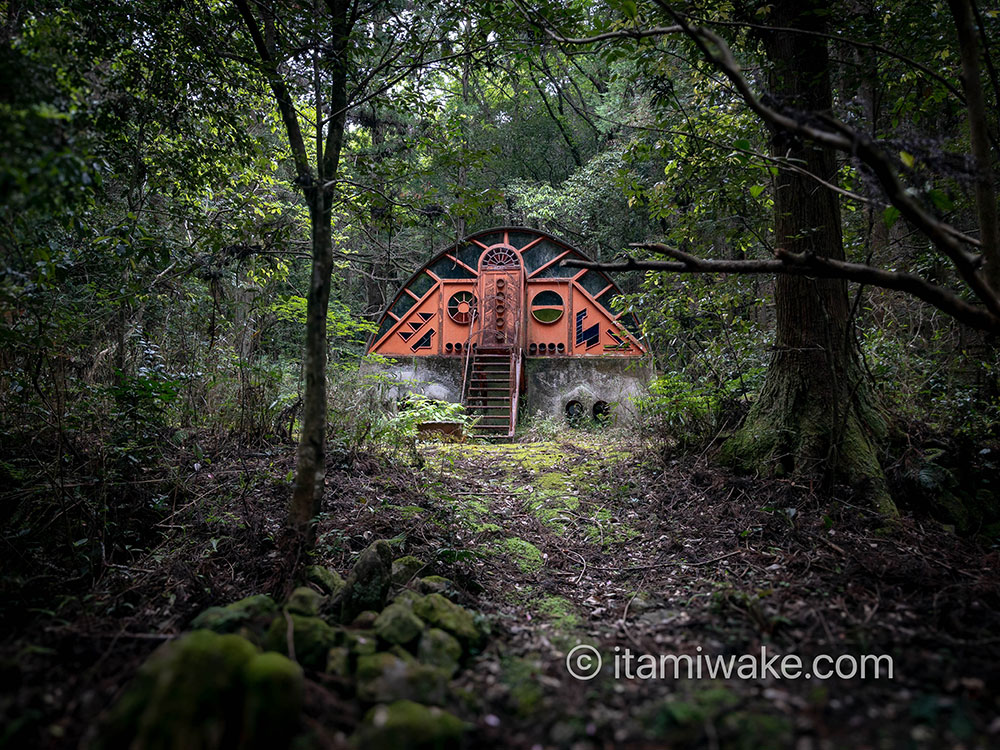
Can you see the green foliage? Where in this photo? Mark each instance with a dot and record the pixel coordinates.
(416, 409)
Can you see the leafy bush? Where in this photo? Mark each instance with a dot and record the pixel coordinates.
(684, 409)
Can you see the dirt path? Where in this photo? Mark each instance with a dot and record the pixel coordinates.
(575, 542)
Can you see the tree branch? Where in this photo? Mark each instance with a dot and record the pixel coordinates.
(801, 264)
(286, 107)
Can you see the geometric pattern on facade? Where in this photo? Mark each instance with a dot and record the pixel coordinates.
(506, 288)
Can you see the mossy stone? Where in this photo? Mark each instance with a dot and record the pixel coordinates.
(406, 725)
(360, 643)
(398, 624)
(440, 649)
(188, 694)
(436, 585)
(437, 611)
(232, 617)
(368, 582)
(383, 677)
(275, 689)
(405, 568)
(305, 601)
(365, 620)
(407, 597)
(311, 637)
(338, 661)
(329, 581)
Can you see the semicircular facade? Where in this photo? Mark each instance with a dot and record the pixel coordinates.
(506, 288)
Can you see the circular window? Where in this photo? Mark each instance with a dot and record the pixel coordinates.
(547, 307)
(461, 307)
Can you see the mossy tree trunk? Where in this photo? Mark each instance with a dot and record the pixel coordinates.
(814, 418)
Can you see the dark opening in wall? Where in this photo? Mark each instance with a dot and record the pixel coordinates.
(602, 412)
(575, 412)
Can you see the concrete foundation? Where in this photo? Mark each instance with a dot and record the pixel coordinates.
(559, 387)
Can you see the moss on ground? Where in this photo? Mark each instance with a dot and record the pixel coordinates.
(559, 611)
(520, 676)
(525, 555)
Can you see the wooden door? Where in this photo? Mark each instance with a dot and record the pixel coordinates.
(501, 305)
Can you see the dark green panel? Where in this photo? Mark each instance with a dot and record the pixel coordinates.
(593, 282)
(556, 272)
(607, 299)
(491, 238)
(547, 298)
(403, 305)
(446, 268)
(537, 256)
(631, 324)
(520, 239)
(387, 323)
(469, 255)
(422, 284)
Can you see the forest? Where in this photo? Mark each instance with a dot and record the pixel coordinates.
(225, 521)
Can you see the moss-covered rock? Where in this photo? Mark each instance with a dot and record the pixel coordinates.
(359, 643)
(440, 649)
(305, 601)
(274, 689)
(436, 585)
(369, 580)
(398, 624)
(338, 661)
(329, 581)
(402, 653)
(383, 677)
(189, 694)
(407, 597)
(365, 620)
(405, 725)
(312, 639)
(405, 568)
(438, 612)
(235, 616)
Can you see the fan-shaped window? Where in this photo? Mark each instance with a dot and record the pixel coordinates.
(547, 306)
(461, 306)
(501, 257)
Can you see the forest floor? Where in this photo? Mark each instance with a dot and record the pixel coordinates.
(580, 539)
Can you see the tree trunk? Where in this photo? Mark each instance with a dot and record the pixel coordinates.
(310, 469)
(986, 197)
(814, 418)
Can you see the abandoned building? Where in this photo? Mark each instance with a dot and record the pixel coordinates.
(497, 323)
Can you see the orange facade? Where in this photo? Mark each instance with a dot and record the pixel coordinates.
(506, 288)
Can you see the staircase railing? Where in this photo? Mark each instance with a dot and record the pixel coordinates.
(516, 356)
(468, 352)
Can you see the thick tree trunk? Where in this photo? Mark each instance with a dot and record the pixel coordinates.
(986, 196)
(813, 418)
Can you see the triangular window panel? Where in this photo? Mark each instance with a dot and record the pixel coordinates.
(424, 342)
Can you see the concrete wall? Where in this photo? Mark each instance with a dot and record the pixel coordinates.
(550, 382)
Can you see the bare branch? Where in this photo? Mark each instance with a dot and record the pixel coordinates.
(800, 264)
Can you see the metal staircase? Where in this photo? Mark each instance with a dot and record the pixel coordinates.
(492, 386)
